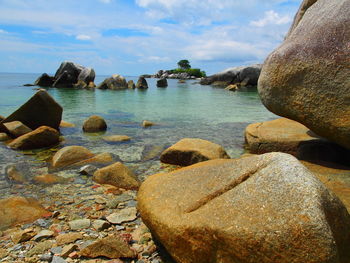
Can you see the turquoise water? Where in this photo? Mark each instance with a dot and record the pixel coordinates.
(180, 110)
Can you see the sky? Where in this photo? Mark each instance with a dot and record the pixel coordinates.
(133, 37)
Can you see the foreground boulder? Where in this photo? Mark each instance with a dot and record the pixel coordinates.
(266, 208)
(192, 150)
(142, 83)
(307, 78)
(70, 155)
(19, 210)
(44, 81)
(94, 124)
(116, 82)
(39, 138)
(247, 75)
(39, 110)
(16, 128)
(117, 175)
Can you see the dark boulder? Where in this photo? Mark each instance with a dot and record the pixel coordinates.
(162, 83)
(44, 81)
(142, 83)
(87, 75)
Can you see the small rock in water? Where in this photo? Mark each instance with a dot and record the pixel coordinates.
(43, 234)
(94, 124)
(42, 223)
(68, 249)
(79, 224)
(14, 175)
(56, 250)
(57, 259)
(146, 124)
(124, 215)
(40, 248)
(100, 225)
(88, 170)
(46, 257)
(22, 236)
(116, 138)
(68, 238)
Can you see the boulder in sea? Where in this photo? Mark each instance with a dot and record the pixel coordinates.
(16, 128)
(142, 83)
(94, 124)
(39, 110)
(189, 151)
(266, 208)
(67, 74)
(41, 137)
(19, 210)
(116, 138)
(162, 83)
(87, 75)
(131, 84)
(44, 81)
(247, 74)
(70, 155)
(307, 77)
(232, 87)
(146, 124)
(117, 175)
(116, 82)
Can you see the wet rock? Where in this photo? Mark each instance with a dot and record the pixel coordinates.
(14, 175)
(88, 170)
(43, 234)
(208, 208)
(232, 87)
(46, 257)
(44, 81)
(116, 82)
(40, 248)
(19, 210)
(306, 78)
(16, 128)
(4, 137)
(147, 124)
(22, 236)
(67, 238)
(39, 110)
(162, 83)
(110, 247)
(41, 137)
(68, 249)
(151, 152)
(113, 203)
(118, 175)
(66, 124)
(131, 84)
(99, 159)
(79, 224)
(116, 138)
(94, 124)
(48, 179)
(192, 150)
(57, 259)
(70, 155)
(141, 83)
(56, 250)
(123, 215)
(100, 225)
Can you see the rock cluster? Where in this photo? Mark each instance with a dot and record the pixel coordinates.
(115, 82)
(168, 74)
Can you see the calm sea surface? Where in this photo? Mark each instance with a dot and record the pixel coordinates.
(180, 110)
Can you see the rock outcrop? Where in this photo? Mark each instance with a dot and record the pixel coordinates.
(192, 150)
(116, 82)
(142, 83)
(39, 110)
(307, 77)
(266, 208)
(247, 75)
(94, 124)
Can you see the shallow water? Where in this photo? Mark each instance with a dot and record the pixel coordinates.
(180, 110)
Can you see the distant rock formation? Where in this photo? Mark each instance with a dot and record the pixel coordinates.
(115, 82)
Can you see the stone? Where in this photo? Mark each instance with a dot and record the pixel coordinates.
(4, 137)
(66, 124)
(100, 225)
(22, 236)
(2, 118)
(162, 83)
(48, 179)
(14, 175)
(70, 155)
(306, 78)
(16, 128)
(116, 82)
(124, 215)
(87, 75)
(44, 81)
(41, 137)
(88, 170)
(118, 175)
(56, 250)
(94, 124)
(116, 138)
(232, 87)
(39, 110)
(67, 74)
(131, 84)
(188, 151)
(67, 238)
(146, 124)
(57, 259)
(68, 249)
(46, 257)
(19, 210)
(151, 152)
(40, 248)
(142, 83)
(79, 224)
(99, 159)
(110, 247)
(265, 208)
(43, 234)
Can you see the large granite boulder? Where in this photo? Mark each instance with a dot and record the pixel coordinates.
(39, 110)
(188, 151)
(44, 81)
(41, 137)
(87, 75)
(142, 83)
(67, 74)
(116, 82)
(70, 155)
(307, 78)
(94, 124)
(248, 75)
(266, 208)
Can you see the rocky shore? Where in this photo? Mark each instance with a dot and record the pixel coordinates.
(286, 200)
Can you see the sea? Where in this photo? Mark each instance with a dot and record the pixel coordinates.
(182, 110)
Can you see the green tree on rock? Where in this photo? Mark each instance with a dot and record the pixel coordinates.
(184, 64)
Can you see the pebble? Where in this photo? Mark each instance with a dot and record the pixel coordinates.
(43, 234)
(22, 236)
(100, 225)
(46, 257)
(57, 259)
(88, 170)
(79, 224)
(67, 238)
(124, 215)
(68, 249)
(56, 250)
(42, 223)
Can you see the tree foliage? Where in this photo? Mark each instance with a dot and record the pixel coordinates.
(184, 64)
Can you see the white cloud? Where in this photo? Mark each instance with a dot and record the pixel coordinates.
(106, 1)
(3, 31)
(271, 17)
(83, 37)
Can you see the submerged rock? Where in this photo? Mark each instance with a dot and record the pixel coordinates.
(39, 110)
(16, 128)
(244, 209)
(116, 82)
(39, 138)
(48, 179)
(142, 83)
(70, 155)
(14, 175)
(307, 77)
(94, 124)
(188, 151)
(123, 215)
(116, 138)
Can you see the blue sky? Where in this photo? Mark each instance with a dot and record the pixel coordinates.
(133, 37)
